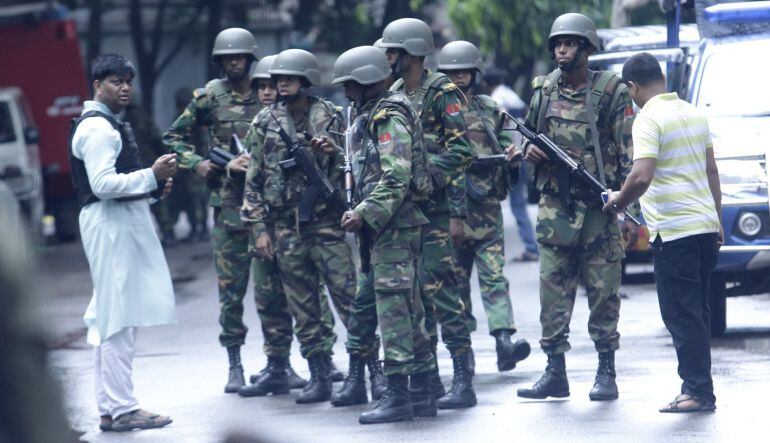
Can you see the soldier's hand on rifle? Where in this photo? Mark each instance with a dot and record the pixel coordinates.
(167, 188)
(323, 145)
(264, 246)
(239, 164)
(513, 155)
(534, 155)
(457, 231)
(164, 167)
(352, 221)
(206, 168)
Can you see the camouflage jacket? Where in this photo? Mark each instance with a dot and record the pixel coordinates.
(273, 194)
(387, 165)
(485, 129)
(440, 105)
(223, 112)
(566, 122)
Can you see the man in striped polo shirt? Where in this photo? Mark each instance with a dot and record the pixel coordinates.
(676, 179)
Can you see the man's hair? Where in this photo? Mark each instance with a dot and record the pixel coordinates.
(111, 64)
(642, 69)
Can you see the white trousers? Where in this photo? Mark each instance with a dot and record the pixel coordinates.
(113, 360)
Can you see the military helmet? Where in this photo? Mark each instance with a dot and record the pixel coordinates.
(364, 64)
(234, 41)
(459, 55)
(575, 24)
(261, 70)
(412, 35)
(297, 62)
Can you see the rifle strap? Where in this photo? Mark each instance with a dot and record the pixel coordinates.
(593, 128)
(495, 143)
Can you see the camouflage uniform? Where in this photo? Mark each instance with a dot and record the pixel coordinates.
(389, 186)
(440, 107)
(580, 241)
(304, 251)
(224, 112)
(484, 225)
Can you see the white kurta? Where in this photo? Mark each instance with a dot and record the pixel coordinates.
(132, 283)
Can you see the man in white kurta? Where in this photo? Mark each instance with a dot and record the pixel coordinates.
(132, 283)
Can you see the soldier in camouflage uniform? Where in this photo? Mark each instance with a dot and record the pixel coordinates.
(307, 250)
(578, 241)
(439, 105)
(487, 187)
(227, 107)
(391, 179)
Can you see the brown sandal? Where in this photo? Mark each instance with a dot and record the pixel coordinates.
(139, 419)
(688, 403)
(105, 423)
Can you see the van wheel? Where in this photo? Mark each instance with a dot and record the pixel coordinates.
(718, 304)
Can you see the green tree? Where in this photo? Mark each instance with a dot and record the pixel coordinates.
(515, 33)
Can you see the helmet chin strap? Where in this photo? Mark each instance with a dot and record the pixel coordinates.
(569, 67)
(291, 98)
(396, 68)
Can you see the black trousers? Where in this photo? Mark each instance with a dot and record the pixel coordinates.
(682, 271)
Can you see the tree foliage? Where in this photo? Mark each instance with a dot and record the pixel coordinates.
(515, 33)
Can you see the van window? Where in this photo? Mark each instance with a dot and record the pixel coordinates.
(7, 134)
(740, 64)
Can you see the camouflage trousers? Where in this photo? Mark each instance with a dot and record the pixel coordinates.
(590, 255)
(389, 294)
(440, 286)
(305, 258)
(483, 246)
(232, 262)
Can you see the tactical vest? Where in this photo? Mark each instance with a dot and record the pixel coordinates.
(482, 131)
(566, 122)
(420, 185)
(228, 116)
(128, 159)
(283, 188)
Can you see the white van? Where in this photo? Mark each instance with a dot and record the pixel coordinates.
(19, 157)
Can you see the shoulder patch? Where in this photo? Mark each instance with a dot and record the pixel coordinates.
(453, 109)
(385, 138)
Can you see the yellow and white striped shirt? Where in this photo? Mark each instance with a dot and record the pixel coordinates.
(678, 202)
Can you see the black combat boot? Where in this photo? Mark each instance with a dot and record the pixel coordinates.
(423, 399)
(353, 390)
(435, 383)
(378, 381)
(461, 395)
(235, 377)
(553, 383)
(271, 380)
(295, 381)
(319, 388)
(335, 374)
(395, 404)
(508, 353)
(604, 386)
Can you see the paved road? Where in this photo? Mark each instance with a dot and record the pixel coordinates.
(181, 370)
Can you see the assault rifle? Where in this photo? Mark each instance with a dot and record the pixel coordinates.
(567, 167)
(320, 186)
(221, 157)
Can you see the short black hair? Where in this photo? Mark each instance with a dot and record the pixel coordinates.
(642, 69)
(106, 65)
